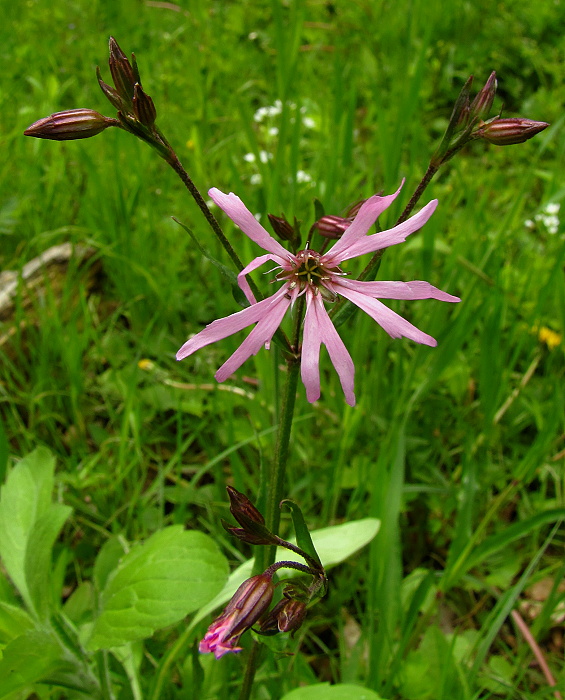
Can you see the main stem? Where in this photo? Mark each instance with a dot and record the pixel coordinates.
(167, 152)
(274, 480)
(276, 476)
(177, 166)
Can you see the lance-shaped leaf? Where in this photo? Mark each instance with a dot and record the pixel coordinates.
(303, 539)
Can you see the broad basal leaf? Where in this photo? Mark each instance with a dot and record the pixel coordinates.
(157, 584)
(325, 691)
(25, 498)
(28, 659)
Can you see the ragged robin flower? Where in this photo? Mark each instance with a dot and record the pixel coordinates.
(247, 605)
(319, 278)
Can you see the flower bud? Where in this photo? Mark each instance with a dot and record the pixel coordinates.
(252, 530)
(111, 94)
(292, 615)
(143, 107)
(122, 72)
(332, 226)
(460, 112)
(335, 226)
(287, 616)
(247, 605)
(282, 228)
(482, 104)
(70, 124)
(505, 132)
(242, 509)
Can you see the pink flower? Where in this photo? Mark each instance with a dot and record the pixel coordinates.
(247, 605)
(319, 278)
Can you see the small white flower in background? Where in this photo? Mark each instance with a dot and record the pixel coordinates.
(256, 179)
(260, 114)
(249, 157)
(308, 122)
(302, 176)
(547, 217)
(264, 156)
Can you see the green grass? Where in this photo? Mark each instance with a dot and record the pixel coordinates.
(458, 449)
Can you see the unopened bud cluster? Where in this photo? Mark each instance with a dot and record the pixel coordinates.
(136, 111)
(249, 605)
(469, 122)
(127, 95)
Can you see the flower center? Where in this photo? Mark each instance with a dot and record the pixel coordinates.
(309, 272)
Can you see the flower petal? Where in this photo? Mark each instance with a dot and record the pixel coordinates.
(223, 327)
(369, 212)
(261, 334)
(395, 290)
(221, 649)
(240, 215)
(253, 265)
(398, 234)
(391, 322)
(319, 329)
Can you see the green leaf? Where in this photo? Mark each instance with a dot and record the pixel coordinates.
(318, 209)
(157, 584)
(4, 450)
(334, 544)
(28, 659)
(107, 560)
(13, 621)
(474, 555)
(38, 556)
(499, 678)
(303, 538)
(325, 691)
(230, 275)
(79, 605)
(24, 499)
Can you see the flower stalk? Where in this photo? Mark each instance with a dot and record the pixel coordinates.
(465, 125)
(273, 476)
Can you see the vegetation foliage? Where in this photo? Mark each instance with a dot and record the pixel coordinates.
(110, 530)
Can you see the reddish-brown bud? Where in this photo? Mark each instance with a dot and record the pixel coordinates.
(111, 94)
(122, 72)
(69, 125)
(287, 616)
(247, 605)
(246, 535)
(482, 104)
(242, 509)
(333, 226)
(282, 228)
(292, 615)
(505, 132)
(143, 107)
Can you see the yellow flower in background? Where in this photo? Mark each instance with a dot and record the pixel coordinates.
(549, 337)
